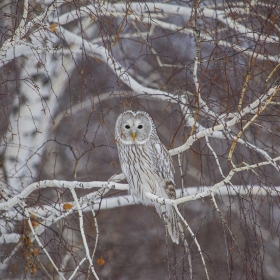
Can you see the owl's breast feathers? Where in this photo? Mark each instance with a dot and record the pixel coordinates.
(142, 174)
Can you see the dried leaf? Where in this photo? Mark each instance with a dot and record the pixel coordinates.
(67, 206)
(100, 261)
(35, 252)
(53, 27)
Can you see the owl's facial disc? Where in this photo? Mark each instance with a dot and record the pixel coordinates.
(135, 129)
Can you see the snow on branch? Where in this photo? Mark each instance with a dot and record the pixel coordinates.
(52, 24)
(215, 188)
(53, 213)
(252, 108)
(59, 184)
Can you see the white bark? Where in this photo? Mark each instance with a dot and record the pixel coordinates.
(32, 120)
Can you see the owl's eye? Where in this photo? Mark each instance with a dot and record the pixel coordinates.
(140, 126)
(127, 126)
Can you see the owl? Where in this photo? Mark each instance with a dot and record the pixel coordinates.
(146, 164)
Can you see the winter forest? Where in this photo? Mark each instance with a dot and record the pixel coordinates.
(208, 74)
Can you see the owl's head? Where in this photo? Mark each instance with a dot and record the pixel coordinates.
(134, 127)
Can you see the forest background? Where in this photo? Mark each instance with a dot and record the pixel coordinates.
(206, 71)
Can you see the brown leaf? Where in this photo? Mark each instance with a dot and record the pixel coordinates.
(100, 261)
(53, 27)
(67, 206)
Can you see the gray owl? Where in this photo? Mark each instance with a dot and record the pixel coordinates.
(146, 164)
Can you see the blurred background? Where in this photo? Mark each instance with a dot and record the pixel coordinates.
(68, 69)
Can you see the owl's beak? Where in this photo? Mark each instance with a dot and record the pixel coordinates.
(133, 135)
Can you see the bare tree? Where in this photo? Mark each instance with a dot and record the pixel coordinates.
(206, 71)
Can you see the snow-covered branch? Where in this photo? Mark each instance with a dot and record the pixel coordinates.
(60, 185)
(216, 186)
(204, 71)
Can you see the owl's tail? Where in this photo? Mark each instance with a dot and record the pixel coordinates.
(172, 222)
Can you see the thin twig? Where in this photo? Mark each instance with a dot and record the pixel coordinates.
(194, 237)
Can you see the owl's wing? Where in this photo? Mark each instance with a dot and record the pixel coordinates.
(163, 166)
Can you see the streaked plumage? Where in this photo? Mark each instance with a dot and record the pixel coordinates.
(146, 164)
